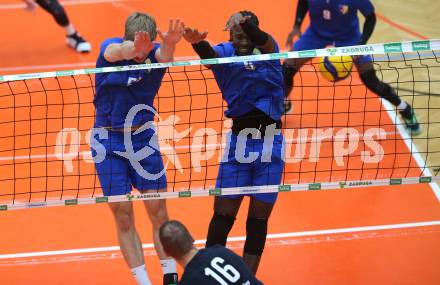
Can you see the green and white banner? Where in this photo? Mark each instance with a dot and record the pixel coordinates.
(387, 48)
(342, 185)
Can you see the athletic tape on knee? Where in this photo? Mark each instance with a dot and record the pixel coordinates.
(256, 232)
(219, 229)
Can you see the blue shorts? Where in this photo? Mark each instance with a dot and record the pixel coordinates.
(233, 172)
(117, 174)
(311, 40)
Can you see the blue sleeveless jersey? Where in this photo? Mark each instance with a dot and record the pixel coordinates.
(118, 92)
(336, 19)
(249, 85)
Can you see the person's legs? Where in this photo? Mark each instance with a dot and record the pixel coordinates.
(128, 237)
(151, 179)
(114, 177)
(73, 38)
(368, 76)
(265, 172)
(231, 173)
(256, 232)
(158, 214)
(54, 8)
(308, 41)
(129, 241)
(225, 211)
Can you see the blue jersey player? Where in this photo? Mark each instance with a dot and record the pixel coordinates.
(210, 266)
(254, 95)
(117, 95)
(336, 23)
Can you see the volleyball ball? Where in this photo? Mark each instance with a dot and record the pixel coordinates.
(335, 68)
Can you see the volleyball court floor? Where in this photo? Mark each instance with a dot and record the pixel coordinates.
(374, 235)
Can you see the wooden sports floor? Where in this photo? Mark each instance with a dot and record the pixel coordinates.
(375, 235)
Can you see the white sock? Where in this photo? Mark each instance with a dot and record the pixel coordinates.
(141, 275)
(70, 30)
(168, 266)
(402, 106)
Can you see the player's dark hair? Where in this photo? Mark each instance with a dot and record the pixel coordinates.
(175, 238)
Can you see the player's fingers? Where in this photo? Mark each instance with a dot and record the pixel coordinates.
(170, 25)
(187, 30)
(177, 25)
(204, 34)
(161, 35)
(190, 32)
(136, 36)
(141, 35)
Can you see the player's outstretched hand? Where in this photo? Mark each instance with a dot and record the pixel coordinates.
(142, 43)
(174, 34)
(193, 36)
(296, 32)
(236, 20)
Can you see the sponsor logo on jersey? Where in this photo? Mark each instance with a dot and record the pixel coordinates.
(343, 9)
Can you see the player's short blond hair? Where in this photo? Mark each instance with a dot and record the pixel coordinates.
(137, 22)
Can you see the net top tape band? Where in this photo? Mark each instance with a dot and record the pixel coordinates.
(372, 49)
(224, 191)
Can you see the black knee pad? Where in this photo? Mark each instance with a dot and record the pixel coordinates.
(288, 74)
(381, 88)
(256, 233)
(219, 229)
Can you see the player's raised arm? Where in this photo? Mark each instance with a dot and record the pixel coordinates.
(127, 50)
(198, 42)
(301, 11)
(367, 10)
(169, 40)
(260, 38)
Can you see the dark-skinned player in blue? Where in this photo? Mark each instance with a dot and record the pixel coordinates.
(254, 95)
(336, 23)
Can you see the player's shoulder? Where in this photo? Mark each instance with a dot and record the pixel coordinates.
(276, 45)
(225, 49)
(105, 43)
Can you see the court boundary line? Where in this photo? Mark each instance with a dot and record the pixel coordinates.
(400, 27)
(412, 148)
(233, 239)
